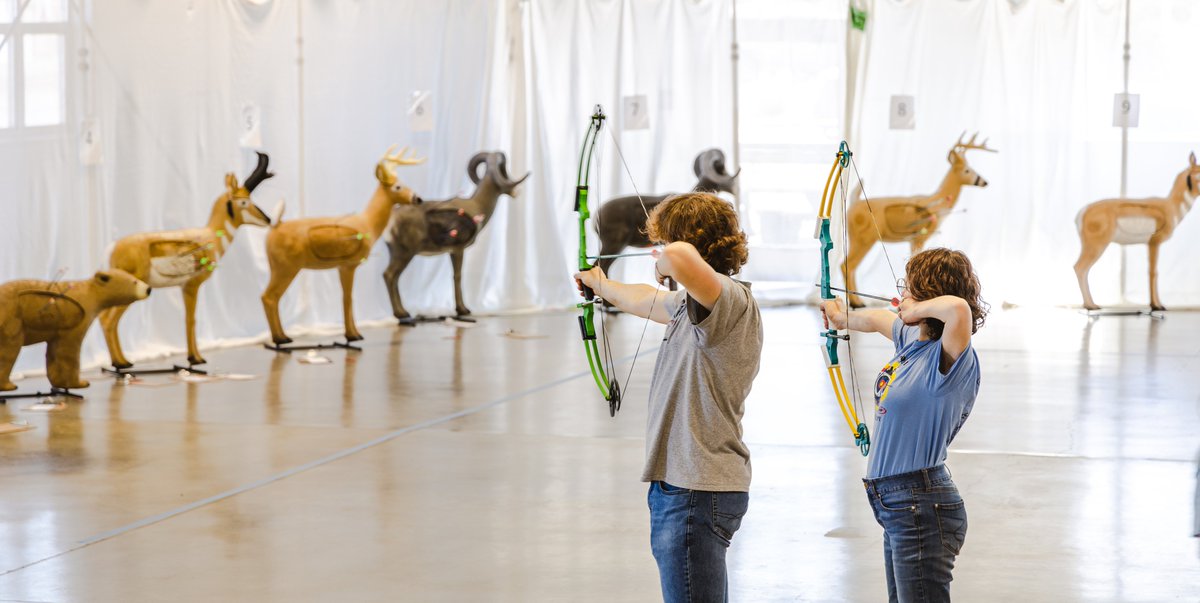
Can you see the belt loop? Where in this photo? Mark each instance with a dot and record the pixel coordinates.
(928, 482)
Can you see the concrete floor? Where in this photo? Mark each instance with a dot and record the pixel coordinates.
(444, 464)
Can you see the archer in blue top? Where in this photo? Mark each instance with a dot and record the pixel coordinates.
(922, 398)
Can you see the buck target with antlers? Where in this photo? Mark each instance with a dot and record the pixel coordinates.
(913, 219)
(184, 258)
(1134, 222)
(342, 243)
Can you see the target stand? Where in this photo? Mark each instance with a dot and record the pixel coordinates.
(288, 348)
(413, 321)
(1155, 314)
(132, 372)
(54, 391)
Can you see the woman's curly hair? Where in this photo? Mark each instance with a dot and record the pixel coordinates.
(940, 271)
(707, 222)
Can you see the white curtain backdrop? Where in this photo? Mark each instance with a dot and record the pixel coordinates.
(580, 54)
(1038, 78)
(165, 88)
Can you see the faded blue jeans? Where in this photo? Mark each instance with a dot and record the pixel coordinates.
(690, 530)
(924, 524)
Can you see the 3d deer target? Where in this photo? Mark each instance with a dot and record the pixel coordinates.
(342, 243)
(913, 219)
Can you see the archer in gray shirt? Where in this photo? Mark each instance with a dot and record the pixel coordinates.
(696, 462)
(705, 368)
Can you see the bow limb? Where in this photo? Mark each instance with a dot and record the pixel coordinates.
(587, 328)
(858, 429)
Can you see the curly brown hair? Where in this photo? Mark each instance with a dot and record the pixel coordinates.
(940, 271)
(707, 222)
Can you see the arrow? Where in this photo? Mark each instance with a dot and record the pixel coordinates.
(895, 301)
(618, 255)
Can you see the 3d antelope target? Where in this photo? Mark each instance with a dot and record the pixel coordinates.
(184, 258)
(1134, 222)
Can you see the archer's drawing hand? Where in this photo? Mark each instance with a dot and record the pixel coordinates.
(659, 260)
(593, 279)
(834, 313)
(909, 310)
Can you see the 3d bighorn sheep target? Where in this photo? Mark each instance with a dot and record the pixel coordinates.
(184, 258)
(1132, 222)
(621, 222)
(437, 227)
(912, 219)
(342, 243)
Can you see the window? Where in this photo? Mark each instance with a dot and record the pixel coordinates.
(792, 80)
(33, 35)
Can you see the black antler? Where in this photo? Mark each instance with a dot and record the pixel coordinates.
(260, 173)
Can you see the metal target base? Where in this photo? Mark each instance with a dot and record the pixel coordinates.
(288, 348)
(175, 368)
(1155, 314)
(54, 391)
(413, 321)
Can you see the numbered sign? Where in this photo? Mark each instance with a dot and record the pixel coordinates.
(420, 111)
(1125, 110)
(635, 113)
(250, 135)
(90, 151)
(903, 115)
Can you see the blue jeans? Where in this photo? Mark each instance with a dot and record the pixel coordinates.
(690, 530)
(924, 524)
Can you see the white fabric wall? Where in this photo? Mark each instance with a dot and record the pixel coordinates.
(579, 54)
(1038, 79)
(165, 84)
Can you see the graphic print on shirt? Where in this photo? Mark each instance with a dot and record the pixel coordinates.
(882, 383)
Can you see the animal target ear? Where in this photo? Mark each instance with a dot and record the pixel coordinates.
(231, 182)
(950, 157)
(103, 277)
(1192, 158)
(384, 175)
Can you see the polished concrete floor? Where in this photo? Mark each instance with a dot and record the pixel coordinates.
(480, 464)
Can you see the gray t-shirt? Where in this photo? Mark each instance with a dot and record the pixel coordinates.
(705, 367)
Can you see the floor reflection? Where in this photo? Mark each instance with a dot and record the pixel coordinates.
(493, 474)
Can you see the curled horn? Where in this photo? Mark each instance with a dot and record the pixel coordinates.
(260, 173)
(710, 166)
(500, 162)
(473, 166)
